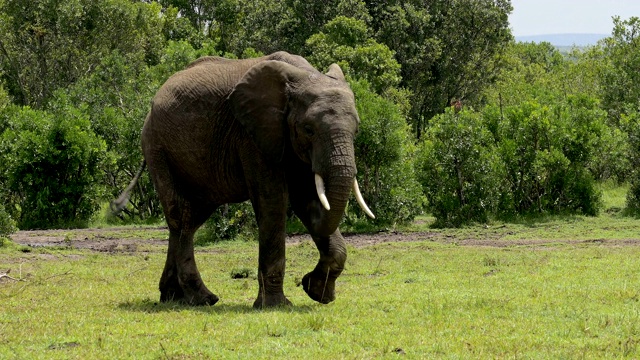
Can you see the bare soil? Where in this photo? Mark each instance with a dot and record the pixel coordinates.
(127, 239)
(101, 240)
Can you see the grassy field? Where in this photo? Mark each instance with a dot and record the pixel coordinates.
(559, 288)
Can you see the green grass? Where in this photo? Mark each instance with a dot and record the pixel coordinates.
(560, 287)
(423, 299)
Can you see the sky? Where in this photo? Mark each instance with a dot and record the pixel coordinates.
(542, 17)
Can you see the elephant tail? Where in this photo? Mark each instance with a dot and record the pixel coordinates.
(118, 204)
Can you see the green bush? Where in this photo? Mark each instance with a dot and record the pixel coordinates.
(228, 223)
(611, 161)
(631, 124)
(546, 152)
(384, 151)
(520, 160)
(458, 169)
(51, 167)
(7, 224)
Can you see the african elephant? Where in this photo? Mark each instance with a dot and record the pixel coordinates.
(273, 130)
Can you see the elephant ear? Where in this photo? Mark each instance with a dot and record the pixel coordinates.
(259, 102)
(335, 72)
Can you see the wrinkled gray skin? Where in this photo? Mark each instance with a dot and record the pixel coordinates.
(224, 131)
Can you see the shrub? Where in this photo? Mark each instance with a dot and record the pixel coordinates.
(350, 43)
(631, 124)
(611, 161)
(7, 224)
(523, 159)
(384, 150)
(546, 152)
(227, 223)
(458, 169)
(51, 165)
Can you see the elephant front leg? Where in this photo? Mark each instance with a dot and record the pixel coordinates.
(320, 283)
(271, 280)
(271, 261)
(271, 217)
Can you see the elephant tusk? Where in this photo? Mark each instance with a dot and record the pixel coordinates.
(321, 193)
(363, 205)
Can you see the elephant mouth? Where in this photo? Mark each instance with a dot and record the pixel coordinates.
(320, 189)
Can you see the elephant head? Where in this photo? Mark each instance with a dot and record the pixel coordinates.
(289, 107)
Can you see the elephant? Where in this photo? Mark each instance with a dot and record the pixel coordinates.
(272, 130)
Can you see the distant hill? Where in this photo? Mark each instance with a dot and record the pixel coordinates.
(563, 40)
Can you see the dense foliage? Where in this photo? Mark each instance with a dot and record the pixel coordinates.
(458, 169)
(456, 118)
(229, 222)
(384, 152)
(631, 123)
(7, 224)
(52, 164)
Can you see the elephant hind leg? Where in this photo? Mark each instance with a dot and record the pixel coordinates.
(170, 289)
(181, 279)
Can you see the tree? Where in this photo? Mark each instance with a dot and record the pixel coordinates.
(618, 60)
(116, 100)
(546, 151)
(217, 20)
(347, 42)
(620, 79)
(309, 17)
(7, 224)
(529, 71)
(448, 49)
(50, 44)
(5, 105)
(539, 73)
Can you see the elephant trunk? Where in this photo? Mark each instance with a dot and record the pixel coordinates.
(337, 190)
(356, 191)
(336, 173)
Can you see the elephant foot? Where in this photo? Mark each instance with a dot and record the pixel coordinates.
(201, 297)
(172, 294)
(319, 286)
(270, 301)
(170, 289)
(270, 290)
(195, 297)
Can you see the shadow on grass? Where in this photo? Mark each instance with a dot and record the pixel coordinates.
(149, 306)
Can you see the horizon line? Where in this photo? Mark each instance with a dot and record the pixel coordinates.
(564, 34)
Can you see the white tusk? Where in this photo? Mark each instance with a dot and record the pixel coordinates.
(363, 205)
(321, 193)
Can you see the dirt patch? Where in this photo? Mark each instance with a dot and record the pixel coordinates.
(361, 240)
(130, 240)
(125, 239)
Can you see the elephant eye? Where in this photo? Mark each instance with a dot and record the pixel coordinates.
(308, 130)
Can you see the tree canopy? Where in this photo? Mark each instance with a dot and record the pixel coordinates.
(449, 102)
